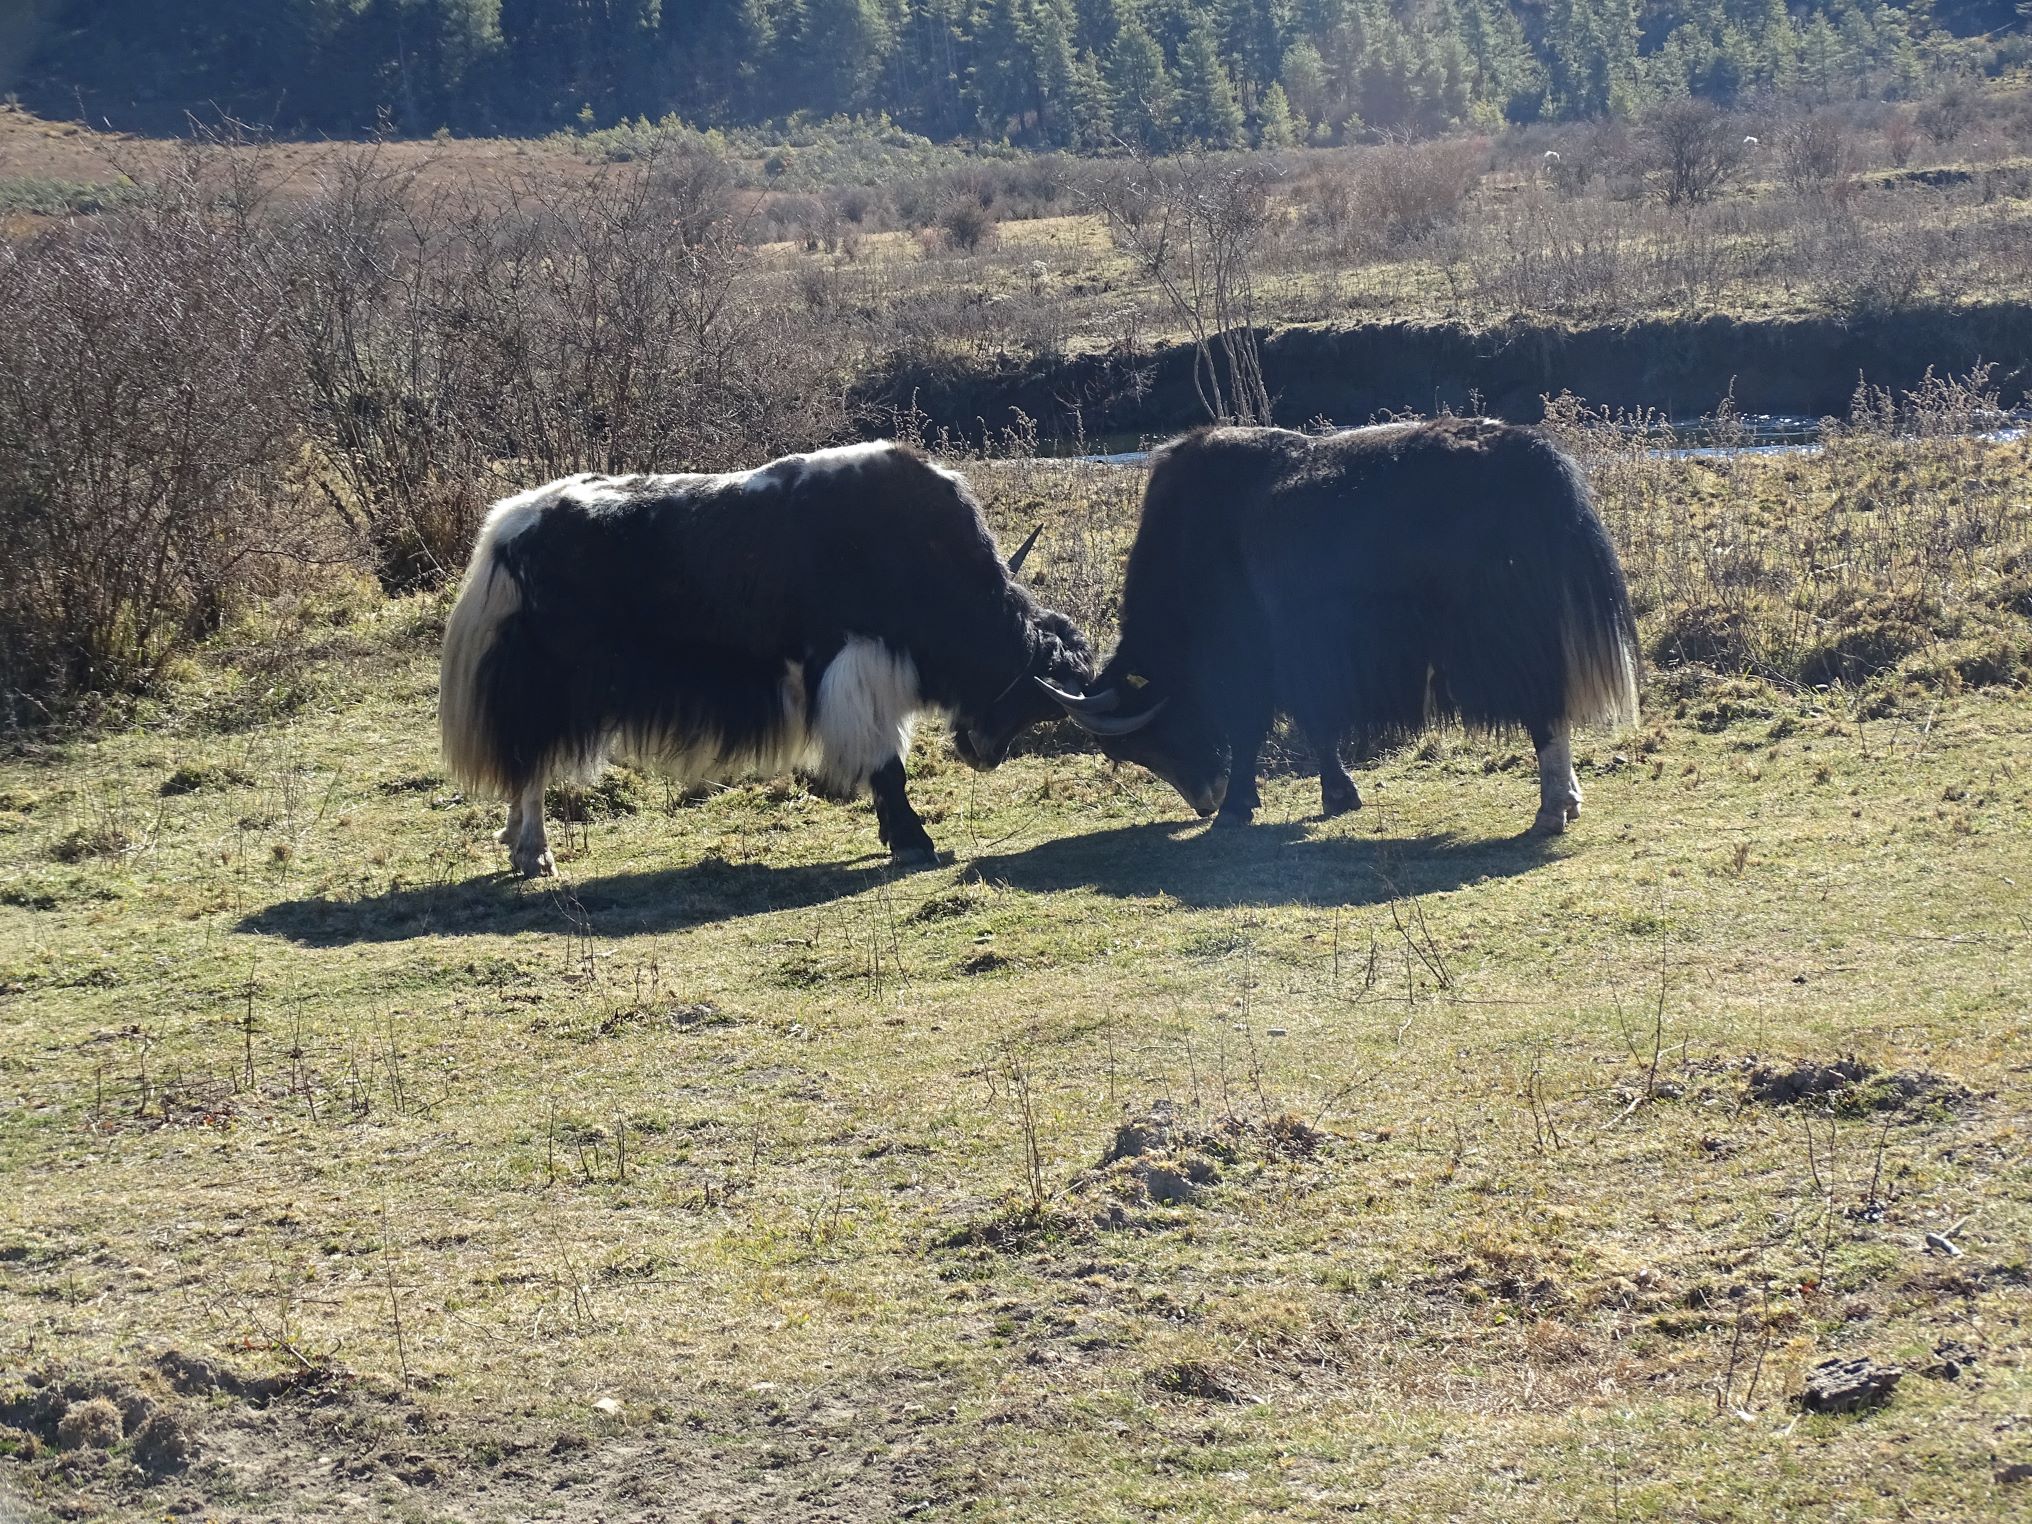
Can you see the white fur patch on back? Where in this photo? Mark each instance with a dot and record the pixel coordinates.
(792, 469)
(590, 491)
(868, 703)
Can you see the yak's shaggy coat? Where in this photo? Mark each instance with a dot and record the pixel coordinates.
(801, 615)
(1373, 582)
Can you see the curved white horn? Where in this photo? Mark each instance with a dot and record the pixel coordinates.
(1107, 701)
(1023, 551)
(1117, 724)
(1097, 713)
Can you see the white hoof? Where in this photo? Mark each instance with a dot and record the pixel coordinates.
(1554, 814)
(540, 865)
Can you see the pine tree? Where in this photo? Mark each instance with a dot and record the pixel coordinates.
(1000, 84)
(709, 50)
(1090, 107)
(1252, 37)
(1144, 97)
(831, 54)
(1049, 40)
(1275, 127)
(1304, 79)
(1207, 112)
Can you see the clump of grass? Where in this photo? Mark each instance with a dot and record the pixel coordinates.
(193, 778)
(1907, 534)
(44, 196)
(90, 1425)
(615, 795)
(85, 842)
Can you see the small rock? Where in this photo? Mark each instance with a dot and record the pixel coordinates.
(611, 1406)
(1846, 1386)
(1951, 1361)
(1940, 1243)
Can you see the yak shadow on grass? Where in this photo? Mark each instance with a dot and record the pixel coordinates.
(1276, 863)
(617, 905)
(1272, 864)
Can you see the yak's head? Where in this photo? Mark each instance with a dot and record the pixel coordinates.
(1136, 720)
(1058, 657)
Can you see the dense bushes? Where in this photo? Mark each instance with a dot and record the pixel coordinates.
(209, 388)
(147, 438)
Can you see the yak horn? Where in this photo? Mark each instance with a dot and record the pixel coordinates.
(1096, 713)
(1023, 551)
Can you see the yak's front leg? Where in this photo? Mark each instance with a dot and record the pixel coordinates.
(1558, 785)
(1247, 725)
(528, 847)
(903, 832)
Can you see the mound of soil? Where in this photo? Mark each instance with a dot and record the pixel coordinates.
(1851, 1084)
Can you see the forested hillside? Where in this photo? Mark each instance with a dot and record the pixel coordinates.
(1077, 74)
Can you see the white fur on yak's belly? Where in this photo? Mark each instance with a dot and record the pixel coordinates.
(867, 707)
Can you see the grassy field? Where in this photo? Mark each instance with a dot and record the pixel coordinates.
(1398, 1165)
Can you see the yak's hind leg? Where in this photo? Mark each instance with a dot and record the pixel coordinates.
(1337, 792)
(903, 832)
(1558, 785)
(528, 846)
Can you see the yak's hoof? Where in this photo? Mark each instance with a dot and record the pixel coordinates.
(1331, 805)
(925, 856)
(542, 865)
(1552, 818)
(1234, 820)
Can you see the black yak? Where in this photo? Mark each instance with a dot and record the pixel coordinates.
(797, 616)
(1374, 582)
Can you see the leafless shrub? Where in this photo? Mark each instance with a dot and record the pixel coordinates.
(1687, 151)
(146, 440)
(1901, 136)
(380, 305)
(1815, 156)
(694, 187)
(1197, 223)
(1886, 271)
(965, 223)
(1947, 115)
(1383, 199)
(857, 203)
(455, 345)
(1541, 255)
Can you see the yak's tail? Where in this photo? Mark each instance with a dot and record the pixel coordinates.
(1598, 632)
(1535, 628)
(487, 599)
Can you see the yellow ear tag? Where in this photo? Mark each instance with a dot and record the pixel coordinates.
(1137, 680)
